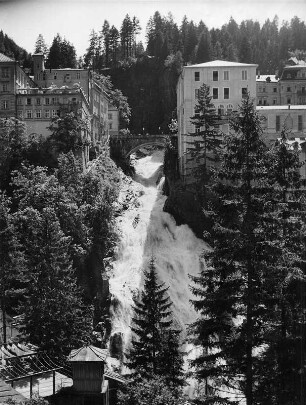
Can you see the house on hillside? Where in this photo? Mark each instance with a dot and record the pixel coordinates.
(92, 87)
(53, 92)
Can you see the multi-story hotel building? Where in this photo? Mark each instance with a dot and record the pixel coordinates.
(52, 92)
(229, 82)
(12, 78)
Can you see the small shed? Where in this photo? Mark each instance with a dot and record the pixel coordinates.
(88, 364)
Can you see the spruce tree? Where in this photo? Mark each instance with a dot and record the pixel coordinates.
(284, 335)
(205, 141)
(55, 316)
(230, 288)
(12, 264)
(152, 328)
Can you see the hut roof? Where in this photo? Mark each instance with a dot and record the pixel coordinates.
(7, 392)
(88, 353)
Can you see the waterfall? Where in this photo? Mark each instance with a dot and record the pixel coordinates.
(146, 231)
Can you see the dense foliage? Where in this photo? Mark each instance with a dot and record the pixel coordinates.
(153, 391)
(55, 230)
(250, 291)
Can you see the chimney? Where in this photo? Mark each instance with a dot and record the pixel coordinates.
(38, 65)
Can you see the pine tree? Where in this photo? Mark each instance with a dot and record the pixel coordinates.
(12, 263)
(40, 45)
(230, 290)
(55, 316)
(284, 334)
(151, 326)
(205, 141)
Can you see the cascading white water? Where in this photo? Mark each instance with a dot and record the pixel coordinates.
(147, 231)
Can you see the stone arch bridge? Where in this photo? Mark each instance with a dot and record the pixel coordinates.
(124, 145)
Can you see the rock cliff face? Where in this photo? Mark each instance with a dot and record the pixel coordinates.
(182, 202)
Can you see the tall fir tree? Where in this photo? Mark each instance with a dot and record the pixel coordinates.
(152, 327)
(232, 290)
(55, 316)
(204, 143)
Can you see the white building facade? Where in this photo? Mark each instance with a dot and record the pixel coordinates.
(229, 83)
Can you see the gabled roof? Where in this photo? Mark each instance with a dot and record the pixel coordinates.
(88, 353)
(221, 63)
(7, 392)
(4, 58)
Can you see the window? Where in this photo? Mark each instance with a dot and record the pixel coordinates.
(229, 108)
(5, 104)
(274, 101)
(244, 92)
(226, 75)
(265, 101)
(226, 93)
(55, 76)
(300, 123)
(215, 75)
(38, 114)
(288, 100)
(196, 76)
(196, 93)
(260, 101)
(29, 114)
(244, 75)
(221, 110)
(288, 88)
(274, 89)
(38, 101)
(54, 113)
(29, 101)
(215, 93)
(263, 89)
(78, 75)
(47, 113)
(277, 123)
(110, 125)
(5, 72)
(110, 116)
(47, 101)
(19, 101)
(5, 87)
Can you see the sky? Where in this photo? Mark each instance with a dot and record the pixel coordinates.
(24, 20)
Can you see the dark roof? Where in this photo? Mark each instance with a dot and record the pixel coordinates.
(4, 58)
(7, 392)
(114, 376)
(88, 353)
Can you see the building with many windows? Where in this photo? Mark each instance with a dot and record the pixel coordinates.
(52, 93)
(12, 78)
(229, 82)
(267, 90)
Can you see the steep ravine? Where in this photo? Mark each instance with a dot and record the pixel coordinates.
(146, 231)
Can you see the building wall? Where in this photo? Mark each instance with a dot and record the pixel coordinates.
(274, 119)
(113, 120)
(12, 77)
(229, 83)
